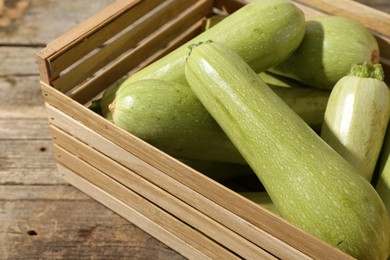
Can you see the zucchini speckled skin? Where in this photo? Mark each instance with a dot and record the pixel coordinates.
(309, 183)
(170, 117)
(356, 117)
(331, 45)
(263, 32)
(382, 184)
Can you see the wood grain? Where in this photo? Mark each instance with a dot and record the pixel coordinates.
(41, 216)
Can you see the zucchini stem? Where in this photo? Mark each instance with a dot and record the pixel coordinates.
(367, 70)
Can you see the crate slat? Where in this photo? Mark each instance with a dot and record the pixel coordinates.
(165, 227)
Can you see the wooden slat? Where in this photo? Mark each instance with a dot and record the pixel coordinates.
(373, 19)
(27, 162)
(160, 197)
(23, 128)
(10, 61)
(154, 220)
(240, 215)
(41, 192)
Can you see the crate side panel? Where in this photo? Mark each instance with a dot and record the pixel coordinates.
(159, 197)
(250, 214)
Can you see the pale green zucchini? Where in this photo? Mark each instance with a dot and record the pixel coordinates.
(382, 184)
(263, 32)
(331, 45)
(309, 183)
(356, 117)
(279, 81)
(170, 117)
(308, 103)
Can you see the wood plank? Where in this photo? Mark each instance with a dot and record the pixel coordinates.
(24, 128)
(140, 211)
(37, 22)
(36, 112)
(28, 162)
(58, 225)
(64, 192)
(21, 91)
(18, 60)
(156, 195)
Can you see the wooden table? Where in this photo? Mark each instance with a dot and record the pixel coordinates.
(41, 216)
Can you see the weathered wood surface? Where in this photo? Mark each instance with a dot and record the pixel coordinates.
(41, 216)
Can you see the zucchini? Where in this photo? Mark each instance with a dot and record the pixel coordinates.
(331, 45)
(382, 185)
(309, 183)
(356, 117)
(308, 103)
(263, 32)
(170, 117)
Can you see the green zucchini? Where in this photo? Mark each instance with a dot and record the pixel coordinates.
(263, 32)
(170, 117)
(382, 184)
(309, 183)
(356, 117)
(331, 45)
(308, 103)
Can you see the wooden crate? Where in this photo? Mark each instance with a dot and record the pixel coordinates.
(193, 214)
